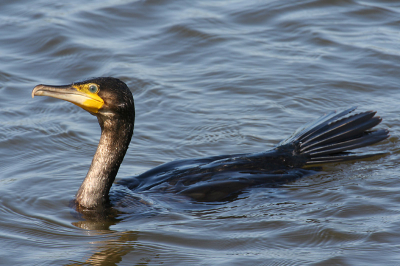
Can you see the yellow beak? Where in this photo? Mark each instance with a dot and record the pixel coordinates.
(91, 102)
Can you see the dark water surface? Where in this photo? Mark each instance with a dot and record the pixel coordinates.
(209, 77)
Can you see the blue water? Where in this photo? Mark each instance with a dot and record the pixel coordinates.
(208, 78)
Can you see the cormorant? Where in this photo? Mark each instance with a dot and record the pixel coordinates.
(214, 178)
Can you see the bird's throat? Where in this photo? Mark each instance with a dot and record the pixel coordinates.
(115, 137)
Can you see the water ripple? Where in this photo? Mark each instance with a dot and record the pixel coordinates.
(208, 77)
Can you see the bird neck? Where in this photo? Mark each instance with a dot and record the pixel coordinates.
(116, 134)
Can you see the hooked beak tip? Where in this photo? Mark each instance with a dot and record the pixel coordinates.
(35, 90)
(40, 90)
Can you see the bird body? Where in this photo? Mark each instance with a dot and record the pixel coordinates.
(326, 140)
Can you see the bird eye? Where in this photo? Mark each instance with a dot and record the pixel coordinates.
(93, 88)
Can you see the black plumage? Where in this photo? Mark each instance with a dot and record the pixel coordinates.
(328, 139)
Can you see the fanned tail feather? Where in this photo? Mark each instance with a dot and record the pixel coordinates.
(328, 138)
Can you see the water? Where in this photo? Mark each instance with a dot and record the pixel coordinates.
(208, 77)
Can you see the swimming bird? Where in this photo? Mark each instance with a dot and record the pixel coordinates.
(326, 140)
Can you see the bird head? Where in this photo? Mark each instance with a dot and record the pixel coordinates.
(104, 97)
